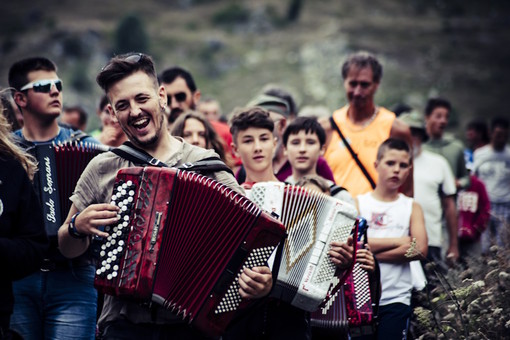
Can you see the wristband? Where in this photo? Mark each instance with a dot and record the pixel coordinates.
(72, 228)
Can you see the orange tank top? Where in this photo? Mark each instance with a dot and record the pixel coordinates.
(364, 141)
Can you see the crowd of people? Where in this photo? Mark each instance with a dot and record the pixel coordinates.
(425, 196)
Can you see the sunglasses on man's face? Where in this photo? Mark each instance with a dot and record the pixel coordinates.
(43, 86)
(179, 97)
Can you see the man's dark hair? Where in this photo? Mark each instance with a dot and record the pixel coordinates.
(19, 70)
(81, 112)
(124, 65)
(307, 124)
(169, 75)
(393, 144)
(362, 60)
(499, 122)
(279, 92)
(434, 103)
(401, 108)
(244, 119)
(481, 128)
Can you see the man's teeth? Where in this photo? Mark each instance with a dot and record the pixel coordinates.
(140, 122)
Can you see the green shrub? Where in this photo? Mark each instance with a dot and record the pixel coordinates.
(231, 14)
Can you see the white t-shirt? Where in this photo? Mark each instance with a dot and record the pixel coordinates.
(390, 219)
(493, 168)
(432, 176)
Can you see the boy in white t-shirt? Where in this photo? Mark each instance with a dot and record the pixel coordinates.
(396, 236)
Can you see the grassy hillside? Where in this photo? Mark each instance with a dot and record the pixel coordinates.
(458, 49)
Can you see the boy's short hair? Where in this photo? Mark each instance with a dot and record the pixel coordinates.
(393, 144)
(309, 125)
(246, 118)
(19, 70)
(124, 65)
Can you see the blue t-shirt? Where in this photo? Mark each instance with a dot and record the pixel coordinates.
(64, 134)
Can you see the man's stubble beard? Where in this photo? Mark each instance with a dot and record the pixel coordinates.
(154, 139)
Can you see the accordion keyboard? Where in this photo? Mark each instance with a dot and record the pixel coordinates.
(113, 247)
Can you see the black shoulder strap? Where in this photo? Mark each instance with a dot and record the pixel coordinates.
(206, 165)
(353, 154)
(77, 136)
(335, 189)
(138, 156)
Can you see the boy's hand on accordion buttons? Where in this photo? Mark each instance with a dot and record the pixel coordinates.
(94, 216)
(255, 283)
(341, 253)
(366, 259)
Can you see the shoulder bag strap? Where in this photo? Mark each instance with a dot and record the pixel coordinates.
(353, 154)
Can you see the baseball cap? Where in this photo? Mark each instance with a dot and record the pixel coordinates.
(271, 103)
(416, 121)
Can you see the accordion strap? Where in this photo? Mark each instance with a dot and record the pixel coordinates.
(131, 153)
(207, 165)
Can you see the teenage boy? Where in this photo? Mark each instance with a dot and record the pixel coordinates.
(304, 142)
(253, 141)
(59, 300)
(396, 236)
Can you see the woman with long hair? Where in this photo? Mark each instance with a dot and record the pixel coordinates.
(23, 240)
(195, 129)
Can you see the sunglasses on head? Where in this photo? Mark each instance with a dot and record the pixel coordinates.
(43, 86)
(133, 59)
(179, 97)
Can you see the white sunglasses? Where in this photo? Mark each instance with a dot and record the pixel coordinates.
(44, 85)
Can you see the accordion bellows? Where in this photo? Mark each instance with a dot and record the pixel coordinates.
(313, 220)
(60, 167)
(182, 242)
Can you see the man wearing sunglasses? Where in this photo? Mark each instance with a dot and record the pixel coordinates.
(59, 301)
(181, 91)
(138, 103)
(183, 95)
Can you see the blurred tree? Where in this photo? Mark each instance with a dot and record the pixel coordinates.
(80, 78)
(294, 10)
(131, 36)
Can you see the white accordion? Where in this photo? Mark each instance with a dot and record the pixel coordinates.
(312, 220)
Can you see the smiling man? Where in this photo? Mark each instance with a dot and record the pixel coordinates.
(364, 125)
(138, 103)
(46, 299)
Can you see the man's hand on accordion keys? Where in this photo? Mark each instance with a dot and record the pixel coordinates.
(95, 216)
(255, 283)
(341, 253)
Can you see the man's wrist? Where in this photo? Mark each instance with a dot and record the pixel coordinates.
(72, 228)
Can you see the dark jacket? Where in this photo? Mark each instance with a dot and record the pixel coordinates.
(23, 240)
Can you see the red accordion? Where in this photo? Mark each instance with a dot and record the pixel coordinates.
(182, 242)
(349, 309)
(60, 167)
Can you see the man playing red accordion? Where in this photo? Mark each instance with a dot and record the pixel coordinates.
(138, 103)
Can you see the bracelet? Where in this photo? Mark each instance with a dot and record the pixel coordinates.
(72, 228)
(412, 249)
